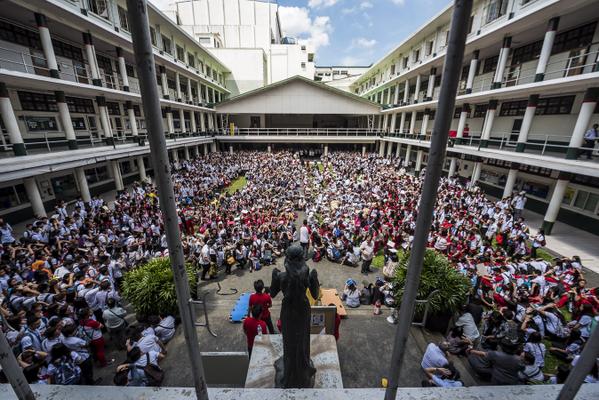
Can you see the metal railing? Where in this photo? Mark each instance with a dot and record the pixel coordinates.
(301, 132)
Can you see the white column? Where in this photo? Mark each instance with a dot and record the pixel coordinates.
(529, 115)
(170, 125)
(406, 92)
(35, 198)
(326, 149)
(555, 203)
(472, 71)
(116, 174)
(104, 120)
(10, 122)
(402, 122)
(382, 148)
(210, 121)
(452, 167)
(82, 184)
(406, 162)
(231, 149)
(213, 147)
(205, 149)
(122, 69)
(413, 122)
(395, 102)
(182, 119)
(189, 92)
(178, 86)
(393, 122)
(269, 149)
(397, 150)
(90, 52)
(164, 82)
(546, 49)
(65, 119)
(462, 122)
(417, 90)
(488, 126)
(132, 120)
(192, 121)
(186, 153)
(425, 119)
(389, 149)
(419, 156)
(585, 114)
(202, 123)
(431, 84)
(502, 62)
(142, 168)
(47, 47)
(175, 155)
(363, 150)
(475, 173)
(512, 175)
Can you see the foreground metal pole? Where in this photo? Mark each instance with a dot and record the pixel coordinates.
(13, 371)
(144, 59)
(451, 75)
(588, 357)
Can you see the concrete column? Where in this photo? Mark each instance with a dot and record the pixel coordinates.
(462, 122)
(90, 52)
(47, 47)
(382, 148)
(475, 173)
(555, 203)
(402, 122)
(170, 125)
(406, 92)
(205, 149)
(65, 119)
(182, 120)
(488, 125)
(389, 149)
(116, 174)
(189, 92)
(132, 121)
(178, 86)
(397, 150)
(413, 122)
(546, 49)
(453, 164)
(231, 149)
(202, 123)
(164, 82)
(213, 147)
(326, 149)
(210, 121)
(104, 120)
(393, 122)
(472, 71)
(82, 183)
(502, 62)
(10, 122)
(269, 149)
(425, 119)
(363, 150)
(418, 166)
(122, 69)
(417, 90)
(431, 84)
(35, 198)
(142, 168)
(186, 153)
(175, 155)
(512, 175)
(589, 103)
(529, 115)
(406, 162)
(192, 122)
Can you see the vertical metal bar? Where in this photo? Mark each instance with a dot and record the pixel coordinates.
(581, 369)
(449, 85)
(13, 371)
(137, 11)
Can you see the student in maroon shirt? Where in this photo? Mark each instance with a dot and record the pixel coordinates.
(251, 324)
(264, 300)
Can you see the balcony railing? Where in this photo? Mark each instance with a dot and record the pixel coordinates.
(301, 132)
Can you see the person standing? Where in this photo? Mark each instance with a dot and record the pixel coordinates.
(519, 202)
(265, 301)
(367, 254)
(305, 238)
(253, 326)
(538, 241)
(590, 137)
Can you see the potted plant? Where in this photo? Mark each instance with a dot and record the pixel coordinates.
(150, 288)
(437, 274)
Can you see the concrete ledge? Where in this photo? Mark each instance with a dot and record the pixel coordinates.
(297, 139)
(535, 392)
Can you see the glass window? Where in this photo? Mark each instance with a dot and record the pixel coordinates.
(66, 50)
(153, 35)
(496, 9)
(123, 18)
(78, 123)
(41, 124)
(536, 189)
(526, 53)
(480, 110)
(104, 63)
(490, 64)
(18, 35)
(180, 53)
(191, 60)
(113, 108)
(100, 8)
(513, 108)
(166, 45)
(13, 196)
(555, 105)
(574, 38)
(37, 101)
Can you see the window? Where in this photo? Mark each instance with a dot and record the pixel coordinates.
(513, 108)
(310, 57)
(471, 24)
(536, 189)
(153, 36)
(123, 18)
(392, 70)
(66, 50)
(480, 110)
(80, 106)
(13, 196)
(526, 53)
(405, 63)
(104, 63)
(208, 71)
(191, 60)
(446, 38)
(201, 67)
(130, 70)
(586, 201)
(78, 123)
(40, 124)
(166, 45)
(180, 53)
(136, 110)
(574, 38)
(490, 64)
(555, 105)
(100, 8)
(98, 174)
(303, 48)
(495, 9)
(113, 108)
(457, 112)
(303, 65)
(416, 55)
(14, 34)
(37, 101)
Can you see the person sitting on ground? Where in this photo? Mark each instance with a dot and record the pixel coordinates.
(164, 327)
(442, 377)
(531, 373)
(351, 294)
(501, 367)
(435, 356)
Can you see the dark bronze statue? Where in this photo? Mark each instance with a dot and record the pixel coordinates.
(295, 369)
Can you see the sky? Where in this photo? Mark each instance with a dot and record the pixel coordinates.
(354, 32)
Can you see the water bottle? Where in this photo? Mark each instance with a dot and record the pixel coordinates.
(260, 330)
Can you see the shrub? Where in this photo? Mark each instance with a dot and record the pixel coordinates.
(150, 288)
(437, 273)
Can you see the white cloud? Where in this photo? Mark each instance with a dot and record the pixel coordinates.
(296, 22)
(366, 4)
(351, 60)
(399, 2)
(364, 43)
(321, 3)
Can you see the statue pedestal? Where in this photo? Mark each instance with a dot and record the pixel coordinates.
(268, 348)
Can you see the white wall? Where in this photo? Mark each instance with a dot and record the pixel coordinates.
(248, 68)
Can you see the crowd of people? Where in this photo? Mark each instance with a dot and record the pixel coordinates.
(61, 277)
